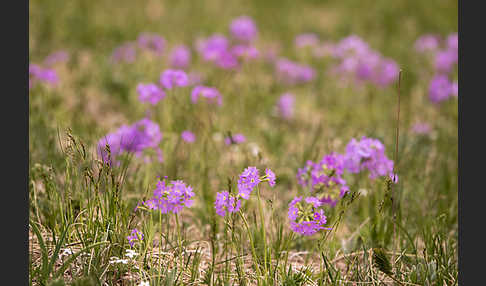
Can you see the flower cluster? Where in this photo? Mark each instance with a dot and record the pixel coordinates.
(285, 105)
(169, 79)
(134, 236)
(427, 43)
(188, 136)
(363, 64)
(249, 179)
(152, 43)
(291, 73)
(367, 154)
(171, 197)
(226, 203)
(173, 78)
(325, 177)
(243, 29)
(134, 138)
(445, 57)
(441, 88)
(210, 93)
(180, 57)
(305, 216)
(219, 50)
(39, 74)
(150, 93)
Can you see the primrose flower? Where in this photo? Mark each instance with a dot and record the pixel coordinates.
(180, 57)
(270, 176)
(325, 177)
(237, 138)
(172, 78)
(440, 88)
(291, 72)
(210, 93)
(305, 217)
(188, 136)
(445, 60)
(136, 138)
(226, 203)
(245, 52)
(285, 105)
(150, 93)
(427, 43)
(134, 236)
(248, 181)
(243, 29)
(172, 197)
(369, 154)
(151, 42)
(39, 74)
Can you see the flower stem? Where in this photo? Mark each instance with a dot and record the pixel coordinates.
(262, 222)
(251, 245)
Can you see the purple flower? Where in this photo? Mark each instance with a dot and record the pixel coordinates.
(247, 181)
(243, 29)
(212, 47)
(306, 218)
(226, 203)
(151, 42)
(150, 93)
(134, 236)
(56, 57)
(210, 93)
(286, 105)
(180, 57)
(444, 60)
(306, 40)
(125, 52)
(39, 74)
(387, 73)
(291, 73)
(172, 78)
(427, 43)
(188, 136)
(237, 138)
(440, 88)
(367, 154)
(270, 177)
(172, 197)
(136, 138)
(351, 46)
(453, 42)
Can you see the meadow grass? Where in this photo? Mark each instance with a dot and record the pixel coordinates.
(82, 209)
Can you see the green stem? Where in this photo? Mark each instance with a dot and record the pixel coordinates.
(262, 222)
(251, 245)
(179, 239)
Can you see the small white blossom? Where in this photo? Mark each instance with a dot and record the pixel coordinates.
(144, 283)
(131, 253)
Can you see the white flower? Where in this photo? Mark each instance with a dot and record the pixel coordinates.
(144, 283)
(67, 251)
(118, 260)
(131, 253)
